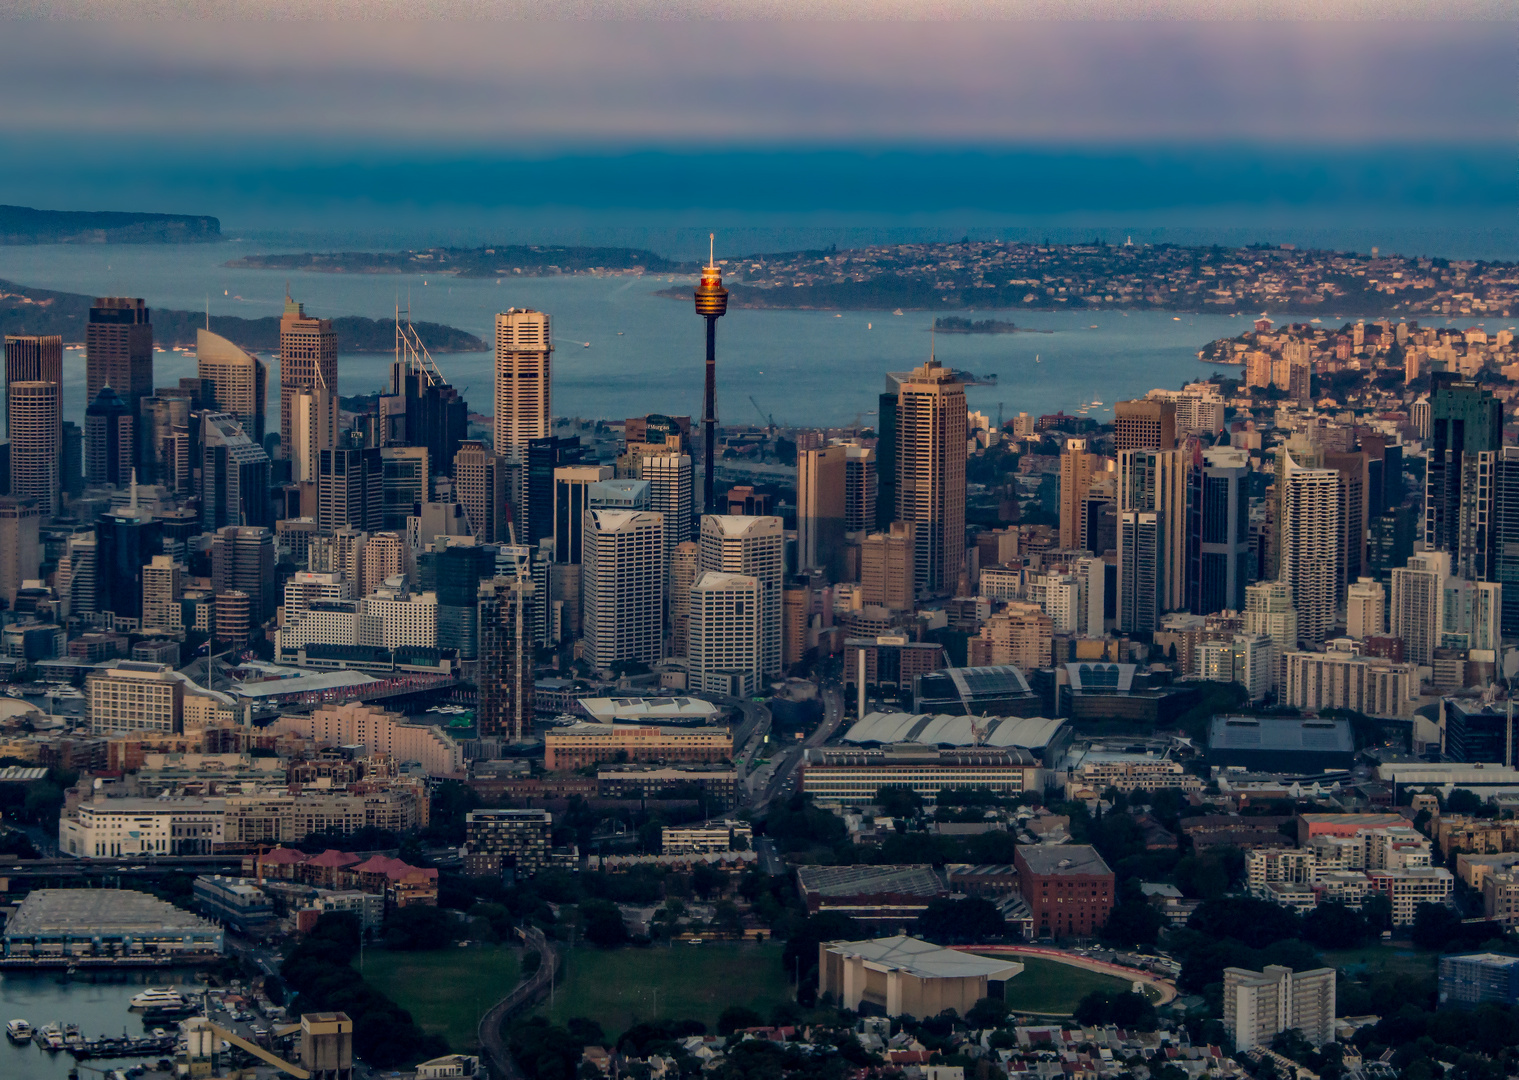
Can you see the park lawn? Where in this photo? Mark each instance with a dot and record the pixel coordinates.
(1396, 959)
(445, 990)
(1045, 986)
(617, 987)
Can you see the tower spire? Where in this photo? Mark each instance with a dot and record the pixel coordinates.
(132, 506)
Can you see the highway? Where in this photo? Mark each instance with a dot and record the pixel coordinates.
(140, 867)
(778, 780)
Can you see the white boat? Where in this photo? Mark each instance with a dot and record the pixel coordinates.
(18, 1031)
(157, 997)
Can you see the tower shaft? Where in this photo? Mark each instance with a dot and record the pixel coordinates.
(709, 416)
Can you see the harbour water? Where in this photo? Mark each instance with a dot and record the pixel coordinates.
(98, 1008)
(624, 351)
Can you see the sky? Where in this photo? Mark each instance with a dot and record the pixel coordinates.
(871, 110)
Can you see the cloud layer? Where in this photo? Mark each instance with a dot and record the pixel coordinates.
(562, 81)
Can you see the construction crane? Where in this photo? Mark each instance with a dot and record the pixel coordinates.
(768, 418)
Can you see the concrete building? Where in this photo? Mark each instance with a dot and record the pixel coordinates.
(820, 510)
(887, 567)
(575, 747)
(622, 587)
(1258, 1005)
(1021, 635)
(351, 489)
(1366, 609)
(723, 639)
(929, 473)
(1144, 425)
(239, 381)
(524, 382)
(309, 369)
(1076, 469)
(480, 486)
(497, 841)
(905, 976)
(1269, 613)
(1418, 604)
(1311, 550)
(1469, 979)
(133, 696)
(506, 694)
(859, 488)
(126, 828)
(705, 839)
(753, 547)
(1068, 888)
(162, 588)
(234, 483)
(1341, 678)
(854, 777)
(381, 732)
(21, 548)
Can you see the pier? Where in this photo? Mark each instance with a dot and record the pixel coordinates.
(122, 1047)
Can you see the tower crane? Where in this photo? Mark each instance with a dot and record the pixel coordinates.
(768, 418)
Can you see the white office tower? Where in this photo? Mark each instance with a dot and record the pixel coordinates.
(1418, 604)
(1060, 597)
(671, 491)
(162, 587)
(623, 586)
(1152, 536)
(1366, 609)
(304, 587)
(1269, 612)
(1258, 1005)
(524, 345)
(724, 651)
(1092, 574)
(392, 618)
(79, 588)
(313, 428)
(755, 546)
(684, 560)
(1311, 551)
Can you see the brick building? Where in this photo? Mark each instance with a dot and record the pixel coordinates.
(1068, 888)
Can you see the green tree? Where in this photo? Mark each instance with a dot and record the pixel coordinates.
(602, 924)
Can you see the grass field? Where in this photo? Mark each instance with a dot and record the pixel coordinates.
(617, 988)
(445, 990)
(1398, 959)
(1048, 987)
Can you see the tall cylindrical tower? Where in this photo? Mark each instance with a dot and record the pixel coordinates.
(711, 304)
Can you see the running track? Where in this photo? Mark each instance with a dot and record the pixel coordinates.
(1164, 987)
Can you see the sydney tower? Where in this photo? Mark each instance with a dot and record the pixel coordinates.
(711, 304)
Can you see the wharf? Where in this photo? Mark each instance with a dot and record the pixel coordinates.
(113, 1048)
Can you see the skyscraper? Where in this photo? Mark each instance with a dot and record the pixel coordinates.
(1355, 490)
(1218, 534)
(820, 511)
(308, 362)
(887, 406)
(685, 560)
(20, 545)
(234, 475)
(524, 377)
(1076, 468)
(886, 567)
(860, 488)
(160, 419)
(1418, 604)
(239, 381)
(1505, 526)
(433, 414)
(350, 489)
(536, 511)
(755, 546)
(110, 438)
(724, 650)
(1151, 482)
(570, 502)
(930, 473)
(118, 342)
(1465, 438)
(623, 587)
(480, 487)
(1312, 547)
(1269, 613)
(506, 659)
(127, 538)
(671, 479)
(34, 419)
(1144, 425)
(242, 559)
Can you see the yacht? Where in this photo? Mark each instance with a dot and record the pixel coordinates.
(49, 1038)
(157, 997)
(18, 1031)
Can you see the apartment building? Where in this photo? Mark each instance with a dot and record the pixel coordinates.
(499, 840)
(575, 747)
(1258, 1005)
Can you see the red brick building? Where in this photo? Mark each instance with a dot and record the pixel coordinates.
(1068, 888)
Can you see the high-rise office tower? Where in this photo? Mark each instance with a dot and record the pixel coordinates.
(1218, 534)
(820, 510)
(623, 587)
(1505, 529)
(1465, 438)
(404, 478)
(886, 449)
(309, 364)
(524, 378)
(239, 381)
(506, 659)
(685, 560)
(480, 487)
(162, 587)
(34, 419)
(671, 478)
(384, 557)
(886, 567)
(755, 546)
(110, 438)
(350, 489)
(618, 494)
(71, 459)
(711, 304)
(724, 650)
(1269, 613)
(118, 343)
(453, 571)
(127, 537)
(1312, 547)
(930, 474)
(234, 475)
(571, 484)
(159, 419)
(431, 413)
(1355, 484)
(1418, 604)
(1144, 425)
(1151, 482)
(1098, 524)
(859, 488)
(1365, 609)
(20, 545)
(1076, 469)
(535, 513)
(242, 558)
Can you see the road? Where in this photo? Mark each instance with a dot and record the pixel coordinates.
(497, 1059)
(779, 779)
(141, 867)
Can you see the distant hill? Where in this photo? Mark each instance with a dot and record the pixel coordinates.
(498, 260)
(24, 225)
(24, 310)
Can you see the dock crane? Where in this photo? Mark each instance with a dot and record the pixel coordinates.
(768, 418)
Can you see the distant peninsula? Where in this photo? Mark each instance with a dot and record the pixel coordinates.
(494, 261)
(956, 324)
(24, 310)
(25, 225)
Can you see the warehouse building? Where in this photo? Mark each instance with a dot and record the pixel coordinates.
(1047, 740)
(1280, 744)
(884, 897)
(899, 976)
(107, 922)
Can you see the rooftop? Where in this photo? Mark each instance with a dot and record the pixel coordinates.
(1063, 859)
(1033, 732)
(925, 959)
(301, 684)
(109, 911)
(908, 880)
(1284, 733)
(608, 710)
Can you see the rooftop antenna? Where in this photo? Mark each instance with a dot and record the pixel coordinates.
(132, 506)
